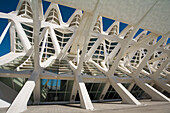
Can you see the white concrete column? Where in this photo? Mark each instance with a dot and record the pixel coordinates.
(114, 52)
(23, 37)
(156, 74)
(36, 92)
(126, 96)
(89, 21)
(105, 89)
(85, 101)
(55, 41)
(156, 95)
(74, 91)
(67, 46)
(12, 37)
(43, 45)
(93, 48)
(131, 86)
(20, 102)
(4, 32)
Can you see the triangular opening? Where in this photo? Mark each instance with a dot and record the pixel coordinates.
(25, 10)
(48, 48)
(53, 17)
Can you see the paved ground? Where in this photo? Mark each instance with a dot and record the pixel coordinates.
(107, 107)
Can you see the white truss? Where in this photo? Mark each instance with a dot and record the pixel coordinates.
(80, 50)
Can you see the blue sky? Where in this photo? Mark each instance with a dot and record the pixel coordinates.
(7, 6)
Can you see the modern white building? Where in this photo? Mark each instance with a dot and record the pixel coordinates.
(51, 61)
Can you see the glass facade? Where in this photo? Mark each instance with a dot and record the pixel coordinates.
(14, 83)
(111, 94)
(137, 92)
(55, 90)
(94, 90)
(61, 48)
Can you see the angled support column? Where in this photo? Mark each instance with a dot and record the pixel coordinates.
(126, 96)
(23, 37)
(74, 91)
(156, 95)
(85, 101)
(155, 76)
(93, 48)
(55, 41)
(69, 43)
(12, 37)
(89, 21)
(105, 89)
(163, 85)
(4, 32)
(121, 90)
(20, 102)
(36, 92)
(131, 86)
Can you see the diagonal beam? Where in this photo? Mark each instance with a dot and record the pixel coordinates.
(69, 43)
(126, 96)
(156, 95)
(93, 48)
(43, 45)
(4, 32)
(24, 40)
(55, 41)
(20, 102)
(90, 20)
(12, 37)
(156, 74)
(105, 89)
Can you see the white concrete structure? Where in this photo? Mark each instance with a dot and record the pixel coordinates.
(54, 62)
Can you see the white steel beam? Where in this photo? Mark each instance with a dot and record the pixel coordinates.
(126, 96)
(156, 95)
(24, 40)
(37, 92)
(20, 102)
(131, 86)
(93, 48)
(85, 101)
(4, 32)
(69, 43)
(88, 28)
(12, 37)
(43, 45)
(55, 42)
(105, 89)
(155, 76)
